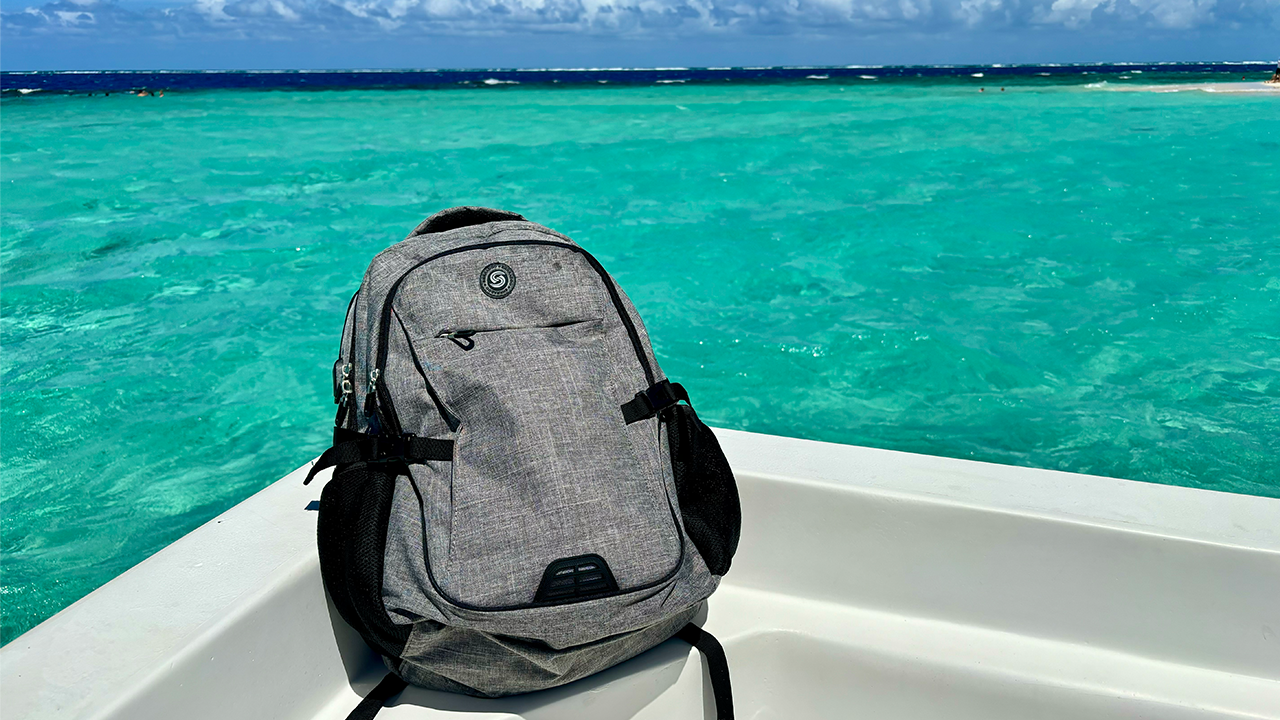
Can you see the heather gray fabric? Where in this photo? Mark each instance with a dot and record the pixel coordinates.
(409, 596)
(439, 657)
(544, 466)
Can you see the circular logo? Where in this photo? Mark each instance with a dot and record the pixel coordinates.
(497, 280)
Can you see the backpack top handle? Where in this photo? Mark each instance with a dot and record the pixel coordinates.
(457, 217)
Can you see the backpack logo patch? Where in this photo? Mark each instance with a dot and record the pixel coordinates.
(497, 280)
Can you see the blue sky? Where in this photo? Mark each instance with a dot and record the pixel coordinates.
(247, 34)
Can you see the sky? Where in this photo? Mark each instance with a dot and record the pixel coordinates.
(351, 34)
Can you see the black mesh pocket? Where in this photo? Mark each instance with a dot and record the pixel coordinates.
(705, 487)
(352, 539)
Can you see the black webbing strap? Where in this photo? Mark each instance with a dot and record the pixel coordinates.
(347, 452)
(650, 402)
(390, 686)
(717, 667)
(349, 447)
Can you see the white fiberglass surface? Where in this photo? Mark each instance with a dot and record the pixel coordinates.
(868, 585)
(799, 660)
(787, 676)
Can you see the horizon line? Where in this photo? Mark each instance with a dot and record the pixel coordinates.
(636, 69)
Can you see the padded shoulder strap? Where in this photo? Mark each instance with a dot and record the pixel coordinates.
(457, 217)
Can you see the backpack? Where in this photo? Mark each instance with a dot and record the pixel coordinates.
(520, 498)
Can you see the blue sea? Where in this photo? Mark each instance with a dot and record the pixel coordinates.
(1068, 267)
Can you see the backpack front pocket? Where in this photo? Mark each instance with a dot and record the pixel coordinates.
(544, 469)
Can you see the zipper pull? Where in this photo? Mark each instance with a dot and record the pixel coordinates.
(371, 404)
(347, 389)
(461, 338)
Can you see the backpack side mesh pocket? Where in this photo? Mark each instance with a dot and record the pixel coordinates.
(705, 488)
(351, 537)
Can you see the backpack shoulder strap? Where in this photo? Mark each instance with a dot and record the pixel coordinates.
(390, 686)
(717, 667)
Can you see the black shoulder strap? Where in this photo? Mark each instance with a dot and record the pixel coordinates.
(390, 686)
(717, 667)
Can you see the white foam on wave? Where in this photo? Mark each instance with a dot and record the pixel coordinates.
(495, 81)
(1239, 88)
(867, 77)
(27, 91)
(817, 77)
(669, 82)
(978, 75)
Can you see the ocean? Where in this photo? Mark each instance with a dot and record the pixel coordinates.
(1068, 267)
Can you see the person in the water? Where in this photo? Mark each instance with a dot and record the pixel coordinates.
(1275, 76)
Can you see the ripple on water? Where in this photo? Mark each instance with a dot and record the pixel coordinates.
(1036, 280)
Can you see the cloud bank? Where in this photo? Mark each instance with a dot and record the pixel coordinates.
(291, 19)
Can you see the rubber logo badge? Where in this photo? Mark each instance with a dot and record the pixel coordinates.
(497, 280)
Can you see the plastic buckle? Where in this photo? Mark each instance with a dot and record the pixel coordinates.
(660, 396)
(388, 448)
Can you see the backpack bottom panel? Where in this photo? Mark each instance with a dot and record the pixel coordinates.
(471, 662)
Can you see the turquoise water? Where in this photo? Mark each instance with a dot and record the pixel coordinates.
(1054, 276)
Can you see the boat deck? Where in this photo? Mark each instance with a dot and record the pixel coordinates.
(869, 584)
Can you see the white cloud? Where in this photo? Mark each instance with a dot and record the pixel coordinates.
(212, 9)
(270, 18)
(1073, 13)
(73, 17)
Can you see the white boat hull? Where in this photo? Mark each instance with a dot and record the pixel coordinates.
(868, 584)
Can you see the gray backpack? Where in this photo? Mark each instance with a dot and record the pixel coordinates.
(520, 497)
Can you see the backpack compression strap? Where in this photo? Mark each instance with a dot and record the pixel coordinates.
(717, 667)
(350, 447)
(656, 398)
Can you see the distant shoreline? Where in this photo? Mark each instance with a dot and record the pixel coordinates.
(28, 83)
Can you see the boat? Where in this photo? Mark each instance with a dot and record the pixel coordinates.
(868, 584)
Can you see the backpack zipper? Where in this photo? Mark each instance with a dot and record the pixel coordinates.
(461, 338)
(379, 397)
(465, 339)
(449, 418)
(346, 390)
